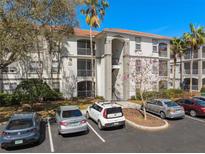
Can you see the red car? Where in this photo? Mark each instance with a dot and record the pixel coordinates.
(194, 107)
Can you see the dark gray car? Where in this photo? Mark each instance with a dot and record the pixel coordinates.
(165, 108)
(21, 129)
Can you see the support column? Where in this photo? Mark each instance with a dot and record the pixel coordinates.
(108, 69)
(200, 73)
(126, 81)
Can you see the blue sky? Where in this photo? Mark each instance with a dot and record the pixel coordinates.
(164, 17)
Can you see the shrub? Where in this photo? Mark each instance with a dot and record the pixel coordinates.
(99, 97)
(9, 99)
(203, 89)
(35, 90)
(169, 93)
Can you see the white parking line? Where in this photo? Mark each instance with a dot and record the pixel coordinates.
(50, 136)
(98, 135)
(199, 120)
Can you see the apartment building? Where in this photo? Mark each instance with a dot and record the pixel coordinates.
(114, 50)
(198, 70)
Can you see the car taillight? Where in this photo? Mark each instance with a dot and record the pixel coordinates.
(105, 113)
(83, 121)
(4, 133)
(63, 123)
(203, 109)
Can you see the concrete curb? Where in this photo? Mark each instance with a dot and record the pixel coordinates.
(166, 125)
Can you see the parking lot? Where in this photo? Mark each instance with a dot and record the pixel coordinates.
(186, 135)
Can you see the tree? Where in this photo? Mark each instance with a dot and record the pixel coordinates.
(94, 12)
(177, 49)
(194, 40)
(143, 77)
(22, 22)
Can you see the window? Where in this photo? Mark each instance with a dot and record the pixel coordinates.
(155, 67)
(71, 113)
(55, 67)
(84, 48)
(159, 103)
(35, 67)
(56, 86)
(163, 50)
(85, 89)
(154, 45)
(138, 66)
(188, 102)
(84, 67)
(137, 44)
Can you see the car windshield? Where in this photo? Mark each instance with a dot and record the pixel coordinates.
(114, 110)
(171, 104)
(19, 124)
(71, 113)
(201, 103)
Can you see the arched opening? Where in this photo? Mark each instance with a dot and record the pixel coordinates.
(84, 89)
(163, 84)
(84, 47)
(186, 84)
(163, 49)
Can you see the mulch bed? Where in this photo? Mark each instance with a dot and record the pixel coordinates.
(137, 117)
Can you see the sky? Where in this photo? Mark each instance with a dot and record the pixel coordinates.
(163, 17)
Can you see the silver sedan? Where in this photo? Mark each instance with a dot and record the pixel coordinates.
(165, 108)
(70, 120)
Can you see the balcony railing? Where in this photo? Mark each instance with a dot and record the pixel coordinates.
(87, 93)
(85, 73)
(163, 73)
(188, 71)
(188, 56)
(203, 54)
(85, 51)
(163, 54)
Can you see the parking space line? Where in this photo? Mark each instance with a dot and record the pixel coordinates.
(50, 136)
(199, 120)
(98, 135)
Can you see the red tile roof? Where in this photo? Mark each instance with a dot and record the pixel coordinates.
(136, 33)
(84, 33)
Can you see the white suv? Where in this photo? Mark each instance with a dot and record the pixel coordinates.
(106, 114)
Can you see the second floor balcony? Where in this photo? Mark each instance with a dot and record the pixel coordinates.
(85, 73)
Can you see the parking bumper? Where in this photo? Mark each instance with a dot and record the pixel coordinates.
(77, 129)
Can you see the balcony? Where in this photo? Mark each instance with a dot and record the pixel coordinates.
(85, 51)
(84, 73)
(163, 54)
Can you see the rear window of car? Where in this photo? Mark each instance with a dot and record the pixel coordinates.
(201, 103)
(114, 110)
(20, 124)
(171, 104)
(71, 113)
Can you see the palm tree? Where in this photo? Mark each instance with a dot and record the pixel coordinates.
(94, 12)
(194, 40)
(177, 48)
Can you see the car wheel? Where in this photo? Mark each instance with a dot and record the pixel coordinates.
(193, 113)
(87, 115)
(162, 115)
(100, 125)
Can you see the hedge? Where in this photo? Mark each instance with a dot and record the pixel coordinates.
(170, 93)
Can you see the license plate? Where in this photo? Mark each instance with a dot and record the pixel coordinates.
(18, 141)
(75, 123)
(116, 123)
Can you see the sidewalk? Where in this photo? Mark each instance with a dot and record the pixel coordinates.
(127, 104)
